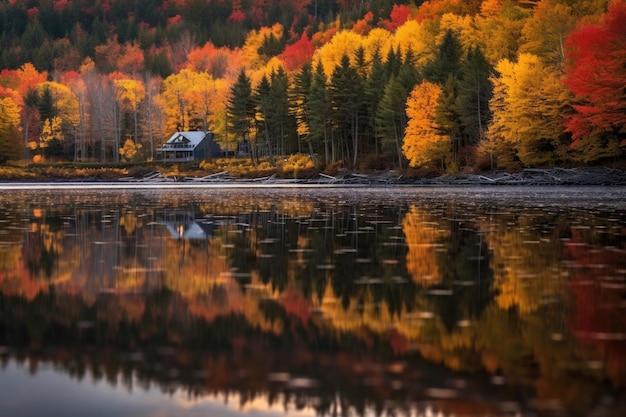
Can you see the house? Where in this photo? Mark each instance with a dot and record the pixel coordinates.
(189, 146)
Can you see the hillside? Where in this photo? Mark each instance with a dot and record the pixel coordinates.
(442, 86)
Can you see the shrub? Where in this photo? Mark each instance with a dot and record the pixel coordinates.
(296, 166)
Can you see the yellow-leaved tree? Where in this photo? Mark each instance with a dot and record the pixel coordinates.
(129, 151)
(419, 38)
(9, 130)
(527, 105)
(130, 94)
(51, 137)
(423, 142)
(343, 43)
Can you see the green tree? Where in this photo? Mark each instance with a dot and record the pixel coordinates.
(299, 103)
(319, 114)
(474, 92)
(241, 110)
(449, 120)
(391, 120)
(373, 93)
(447, 60)
(264, 115)
(279, 95)
(343, 91)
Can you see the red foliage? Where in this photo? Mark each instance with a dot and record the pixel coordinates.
(32, 12)
(598, 291)
(399, 15)
(174, 20)
(9, 78)
(237, 16)
(597, 75)
(295, 304)
(363, 26)
(60, 5)
(297, 54)
(219, 62)
(69, 77)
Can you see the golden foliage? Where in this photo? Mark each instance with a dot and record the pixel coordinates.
(422, 237)
(423, 144)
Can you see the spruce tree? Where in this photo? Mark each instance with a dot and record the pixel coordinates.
(447, 60)
(299, 106)
(373, 92)
(241, 108)
(391, 119)
(279, 97)
(319, 113)
(474, 92)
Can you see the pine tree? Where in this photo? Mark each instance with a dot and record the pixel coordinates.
(447, 60)
(373, 93)
(391, 119)
(319, 114)
(344, 91)
(279, 95)
(264, 115)
(300, 106)
(474, 92)
(241, 109)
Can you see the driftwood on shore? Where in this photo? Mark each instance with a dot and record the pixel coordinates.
(530, 176)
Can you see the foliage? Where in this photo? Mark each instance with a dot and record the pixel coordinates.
(528, 106)
(423, 142)
(296, 166)
(330, 79)
(596, 74)
(129, 151)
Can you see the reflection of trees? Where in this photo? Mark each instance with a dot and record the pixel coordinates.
(598, 288)
(526, 252)
(423, 236)
(328, 290)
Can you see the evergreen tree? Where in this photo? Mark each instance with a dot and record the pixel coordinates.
(344, 90)
(373, 93)
(391, 120)
(264, 116)
(474, 92)
(241, 110)
(45, 104)
(447, 60)
(393, 62)
(279, 95)
(448, 119)
(300, 106)
(319, 114)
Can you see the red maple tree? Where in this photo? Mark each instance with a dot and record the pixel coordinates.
(596, 74)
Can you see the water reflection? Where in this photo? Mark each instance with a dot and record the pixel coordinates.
(339, 302)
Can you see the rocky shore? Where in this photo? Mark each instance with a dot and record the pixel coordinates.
(554, 176)
(528, 177)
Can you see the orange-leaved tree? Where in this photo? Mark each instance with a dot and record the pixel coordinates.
(423, 142)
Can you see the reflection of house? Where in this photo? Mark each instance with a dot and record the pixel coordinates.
(189, 146)
(183, 225)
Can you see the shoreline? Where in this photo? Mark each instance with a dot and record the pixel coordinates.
(527, 177)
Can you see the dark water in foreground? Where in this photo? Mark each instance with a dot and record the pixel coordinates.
(350, 302)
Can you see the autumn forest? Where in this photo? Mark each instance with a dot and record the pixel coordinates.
(441, 85)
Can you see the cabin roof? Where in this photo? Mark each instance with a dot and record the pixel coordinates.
(187, 138)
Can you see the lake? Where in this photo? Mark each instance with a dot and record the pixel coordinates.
(312, 301)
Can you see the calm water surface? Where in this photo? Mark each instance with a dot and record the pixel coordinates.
(313, 302)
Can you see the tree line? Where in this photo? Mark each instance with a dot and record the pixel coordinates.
(440, 85)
